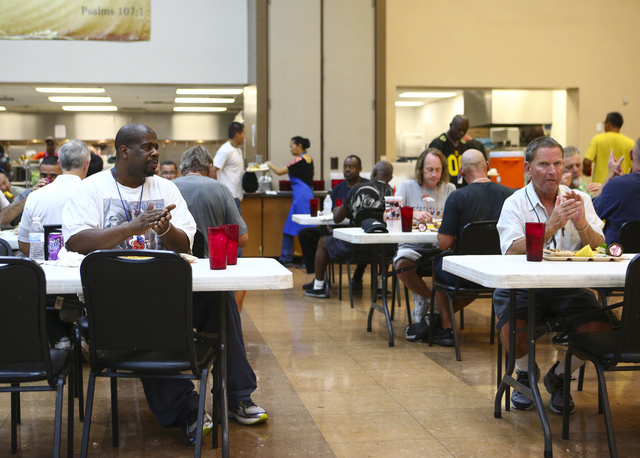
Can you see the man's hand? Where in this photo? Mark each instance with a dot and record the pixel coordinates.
(163, 224)
(568, 207)
(594, 188)
(615, 166)
(148, 219)
(423, 216)
(41, 182)
(567, 179)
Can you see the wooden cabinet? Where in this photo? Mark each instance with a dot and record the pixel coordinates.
(265, 216)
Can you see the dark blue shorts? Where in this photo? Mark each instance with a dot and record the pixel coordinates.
(563, 304)
(339, 248)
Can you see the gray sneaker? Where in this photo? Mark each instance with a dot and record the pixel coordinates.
(555, 386)
(248, 413)
(520, 401)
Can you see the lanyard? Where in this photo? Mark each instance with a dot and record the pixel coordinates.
(122, 201)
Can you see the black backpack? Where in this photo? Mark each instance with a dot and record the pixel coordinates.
(249, 182)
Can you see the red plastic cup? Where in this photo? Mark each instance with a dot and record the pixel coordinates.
(338, 202)
(406, 216)
(313, 207)
(534, 233)
(217, 237)
(232, 243)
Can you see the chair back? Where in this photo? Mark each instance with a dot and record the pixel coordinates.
(48, 229)
(629, 334)
(198, 244)
(630, 236)
(480, 238)
(5, 248)
(366, 213)
(23, 334)
(138, 301)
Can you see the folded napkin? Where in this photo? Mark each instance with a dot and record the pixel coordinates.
(67, 258)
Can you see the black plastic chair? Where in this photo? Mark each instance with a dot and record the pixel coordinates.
(607, 350)
(156, 340)
(198, 244)
(26, 356)
(477, 238)
(5, 248)
(629, 236)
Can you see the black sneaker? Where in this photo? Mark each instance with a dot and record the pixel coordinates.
(518, 400)
(319, 293)
(191, 426)
(417, 332)
(301, 265)
(444, 337)
(356, 286)
(555, 385)
(286, 263)
(308, 285)
(561, 339)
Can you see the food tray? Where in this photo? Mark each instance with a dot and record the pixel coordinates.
(596, 258)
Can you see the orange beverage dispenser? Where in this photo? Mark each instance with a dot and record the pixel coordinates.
(510, 167)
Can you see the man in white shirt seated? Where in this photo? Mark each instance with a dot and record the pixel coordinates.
(571, 223)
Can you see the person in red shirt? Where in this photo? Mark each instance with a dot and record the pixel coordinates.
(50, 145)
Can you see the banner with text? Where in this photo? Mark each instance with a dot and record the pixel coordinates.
(108, 20)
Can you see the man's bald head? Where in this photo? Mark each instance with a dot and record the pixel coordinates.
(458, 127)
(473, 165)
(382, 171)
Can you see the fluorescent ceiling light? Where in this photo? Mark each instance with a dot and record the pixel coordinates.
(428, 95)
(80, 99)
(210, 91)
(90, 108)
(199, 109)
(3, 109)
(202, 100)
(71, 90)
(409, 104)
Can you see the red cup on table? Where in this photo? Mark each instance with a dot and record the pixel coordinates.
(338, 202)
(232, 243)
(313, 207)
(217, 237)
(406, 216)
(534, 237)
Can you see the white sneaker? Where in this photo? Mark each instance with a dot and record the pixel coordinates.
(421, 308)
(63, 344)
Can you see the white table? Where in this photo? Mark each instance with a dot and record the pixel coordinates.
(358, 235)
(512, 272)
(320, 220)
(379, 243)
(10, 236)
(248, 274)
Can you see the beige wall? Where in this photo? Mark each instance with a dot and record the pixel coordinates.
(591, 47)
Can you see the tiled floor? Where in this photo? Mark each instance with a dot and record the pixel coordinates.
(332, 389)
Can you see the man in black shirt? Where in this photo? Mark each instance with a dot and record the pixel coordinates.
(481, 200)
(452, 146)
(361, 196)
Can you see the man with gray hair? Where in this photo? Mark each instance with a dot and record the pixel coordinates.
(571, 223)
(211, 204)
(572, 176)
(47, 202)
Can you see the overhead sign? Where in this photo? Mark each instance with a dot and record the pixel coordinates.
(108, 20)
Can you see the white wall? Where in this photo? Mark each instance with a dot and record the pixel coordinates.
(294, 78)
(521, 106)
(192, 42)
(348, 82)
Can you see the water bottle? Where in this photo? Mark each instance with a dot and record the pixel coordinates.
(36, 241)
(326, 206)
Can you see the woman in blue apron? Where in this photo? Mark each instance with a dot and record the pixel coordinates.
(300, 171)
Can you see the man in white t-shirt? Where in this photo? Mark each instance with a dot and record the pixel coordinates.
(228, 164)
(47, 202)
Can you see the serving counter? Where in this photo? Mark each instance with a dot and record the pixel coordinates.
(265, 215)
